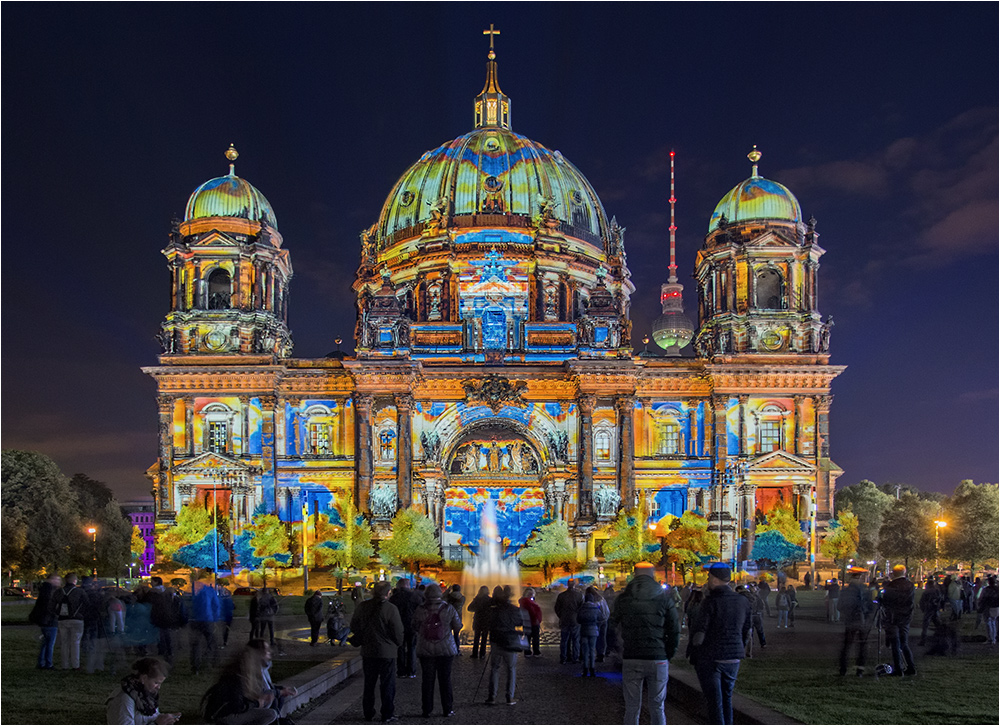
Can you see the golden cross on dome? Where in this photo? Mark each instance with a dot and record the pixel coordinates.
(491, 32)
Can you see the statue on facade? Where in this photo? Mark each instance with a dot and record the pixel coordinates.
(431, 444)
(606, 501)
(383, 502)
(559, 445)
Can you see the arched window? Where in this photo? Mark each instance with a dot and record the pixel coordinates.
(770, 425)
(602, 446)
(670, 438)
(219, 289)
(769, 290)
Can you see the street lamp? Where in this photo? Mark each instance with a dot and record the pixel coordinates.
(130, 566)
(938, 524)
(93, 531)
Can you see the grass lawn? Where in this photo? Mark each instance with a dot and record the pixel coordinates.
(31, 696)
(797, 674)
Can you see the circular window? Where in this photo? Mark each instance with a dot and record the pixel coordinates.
(772, 340)
(492, 144)
(492, 184)
(216, 340)
(576, 196)
(407, 198)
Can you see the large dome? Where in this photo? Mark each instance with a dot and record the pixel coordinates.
(492, 171)
(757, 198)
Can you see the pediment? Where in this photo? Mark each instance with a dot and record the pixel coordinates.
(779, 462)
(214, 238)
(210, 461)
(771, 239)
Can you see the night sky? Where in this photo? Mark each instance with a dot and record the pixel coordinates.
(881, 118)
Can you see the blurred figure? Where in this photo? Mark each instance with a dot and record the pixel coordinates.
(480, 609)
(856, 606)
(930, 606)
(897, 607)
(590, 616)
(206, 611)
(531, 622)
(167, 613)
(456, 598)
(240, 696)
(228, 608)
(70, 603)
(45, 615)
(136, 699)
(337, 629)
(314, 614)
(989, 606)
(267, 608)
(279, 693)
(407, 602)
(832, 588)
(505, 643)
(567, 606)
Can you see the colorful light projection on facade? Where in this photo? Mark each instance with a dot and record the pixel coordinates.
(518, 512)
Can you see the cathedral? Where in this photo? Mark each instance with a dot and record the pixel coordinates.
(493, 360)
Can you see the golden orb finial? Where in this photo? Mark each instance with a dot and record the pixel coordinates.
(754, 156)
(232, 154)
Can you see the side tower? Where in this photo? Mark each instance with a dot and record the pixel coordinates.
(765, 349)
(229, 275)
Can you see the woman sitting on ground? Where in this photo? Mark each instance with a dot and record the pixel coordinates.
(136, 700)
(240, 695)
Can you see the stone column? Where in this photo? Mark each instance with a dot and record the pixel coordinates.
(823, 426)
(692, 439)
(586, 457)
(404, 451)
(268, 453)
(165, 406)
(189, 426)
(798, 413)
(748, 492)
(626, 451)
(743, 425)
(244, 425)
(363, 449)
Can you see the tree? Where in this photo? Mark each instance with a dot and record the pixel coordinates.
(908, 528)
(91, 495)
(38, 503)
(973, 532)
(203, 553)
(774, 546)
(869, 504)
(413, 542)
(631, 540)
(268, 540)
(137, 544)
(782, 519)
(689, 543)
(193, 523)
(114, 539)
(548, 546)
(841, 543)
(345, 542)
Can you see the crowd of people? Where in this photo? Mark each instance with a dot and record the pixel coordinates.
(398, 628)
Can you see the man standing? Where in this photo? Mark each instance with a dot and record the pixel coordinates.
(855, 605)
(505, 643)
(650, 630)
(567, 606)
(70, 603)
(314, 614)
(406, 601)
(897, 603)
(377, 624)
(832, 588)
(764, 590)
(267, 608)
(167, 615)
(456, 598)
(718, 642)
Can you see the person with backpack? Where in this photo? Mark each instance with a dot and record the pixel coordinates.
(480, 609)
(436, 623)
(505, 643)
(337, 629)
(45, 614)
(590, 617)
(70, 602)
(378, 629)
(782, 604)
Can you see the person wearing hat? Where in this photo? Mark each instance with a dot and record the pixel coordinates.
(435, 624)
(855, 605)
(650, 631)
(718, 642)
(897, 604)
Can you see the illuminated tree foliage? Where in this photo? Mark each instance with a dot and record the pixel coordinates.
(413, 542)
(549, 545)
(772, 545)
(202, 554)
(972, 533)
(689, 543)
(137, 544)
(908, 528)
(193, 524)
(345, 542)
(782, 519)
(869, 505)
(841, 543)
(631, 540)
(269, 541)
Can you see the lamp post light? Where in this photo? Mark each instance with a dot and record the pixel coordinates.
(938, 524)
(130, 566)
(93, 532)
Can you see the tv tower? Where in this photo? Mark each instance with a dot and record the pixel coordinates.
(673, 329)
